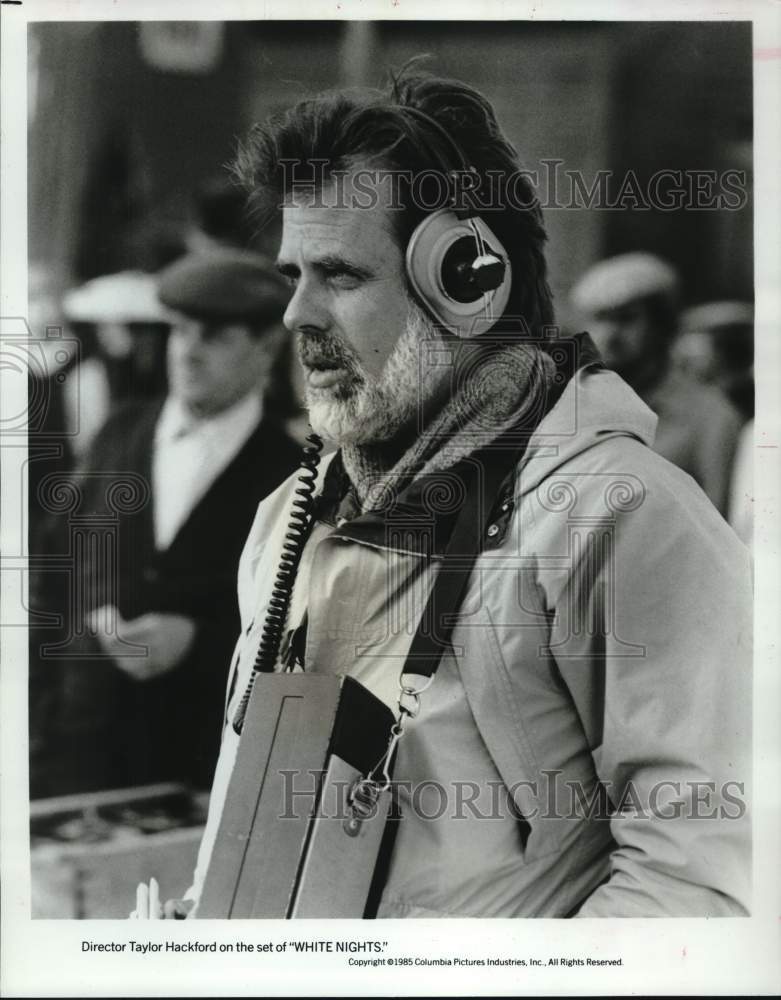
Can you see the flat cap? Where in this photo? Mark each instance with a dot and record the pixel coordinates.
(710, 316)
(617, 281)
(224, 286)
(124, 297)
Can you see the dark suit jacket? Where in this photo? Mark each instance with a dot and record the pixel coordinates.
(104, 729)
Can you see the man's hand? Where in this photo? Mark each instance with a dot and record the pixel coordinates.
(148, 904)
(167, 637)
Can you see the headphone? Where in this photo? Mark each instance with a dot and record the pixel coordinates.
(456, 265)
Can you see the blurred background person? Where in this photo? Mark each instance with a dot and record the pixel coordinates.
(123, 329)
(53, 355)
(630, 304)
(109, 349)
(740, 512)
(715, 345)
(143, 702)
(220, 218)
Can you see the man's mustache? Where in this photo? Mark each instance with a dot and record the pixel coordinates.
(323, 351)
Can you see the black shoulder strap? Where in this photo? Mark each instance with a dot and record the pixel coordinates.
(432, 637)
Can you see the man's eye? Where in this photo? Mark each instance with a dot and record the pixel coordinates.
(343, 279)
(291, 280)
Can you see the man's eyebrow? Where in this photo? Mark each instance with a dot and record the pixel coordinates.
(336, 262)
(328, 262)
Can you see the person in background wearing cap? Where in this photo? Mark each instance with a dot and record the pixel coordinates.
(219, 219)
(146, 703)
(122, 328)
(117, 331)
(715, 346)
(630, 304)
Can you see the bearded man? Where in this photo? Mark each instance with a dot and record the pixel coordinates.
(600, 654)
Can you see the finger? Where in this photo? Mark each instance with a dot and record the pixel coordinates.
(154, 899)
(185, 908)
(177, 909)
(136, 667)
(110, 645)
(105, 643)
(95, 617)
(103, 618)
(139, 628)
(142, 901)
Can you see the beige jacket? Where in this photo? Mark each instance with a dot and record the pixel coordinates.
(604, 646)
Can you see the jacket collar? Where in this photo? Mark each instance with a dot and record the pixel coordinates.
(596, 405)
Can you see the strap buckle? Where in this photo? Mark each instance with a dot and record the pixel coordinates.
(409, 699)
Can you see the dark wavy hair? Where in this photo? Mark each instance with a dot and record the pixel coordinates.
(421, 125)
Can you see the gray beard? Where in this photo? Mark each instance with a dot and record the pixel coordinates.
(465, 407)
(377, 409)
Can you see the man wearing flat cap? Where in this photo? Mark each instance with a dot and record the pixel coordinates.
(715, 345)
(630, 306)
(179, 479)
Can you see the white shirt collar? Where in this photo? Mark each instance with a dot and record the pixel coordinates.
(176, 420)
(188, 456)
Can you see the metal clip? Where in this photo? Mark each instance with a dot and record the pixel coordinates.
(362, 802)
(397, 731)
(409, 699)
(409, 703)
(363, 796)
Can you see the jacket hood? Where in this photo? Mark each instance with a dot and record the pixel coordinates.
(597, 404)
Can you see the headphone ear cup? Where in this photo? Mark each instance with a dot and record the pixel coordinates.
(438, 253)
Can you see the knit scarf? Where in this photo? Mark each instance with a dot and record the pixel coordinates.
(493, 389)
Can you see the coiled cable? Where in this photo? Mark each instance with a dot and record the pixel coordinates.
(298, 529)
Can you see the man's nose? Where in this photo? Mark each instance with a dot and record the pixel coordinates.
(307, 309)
